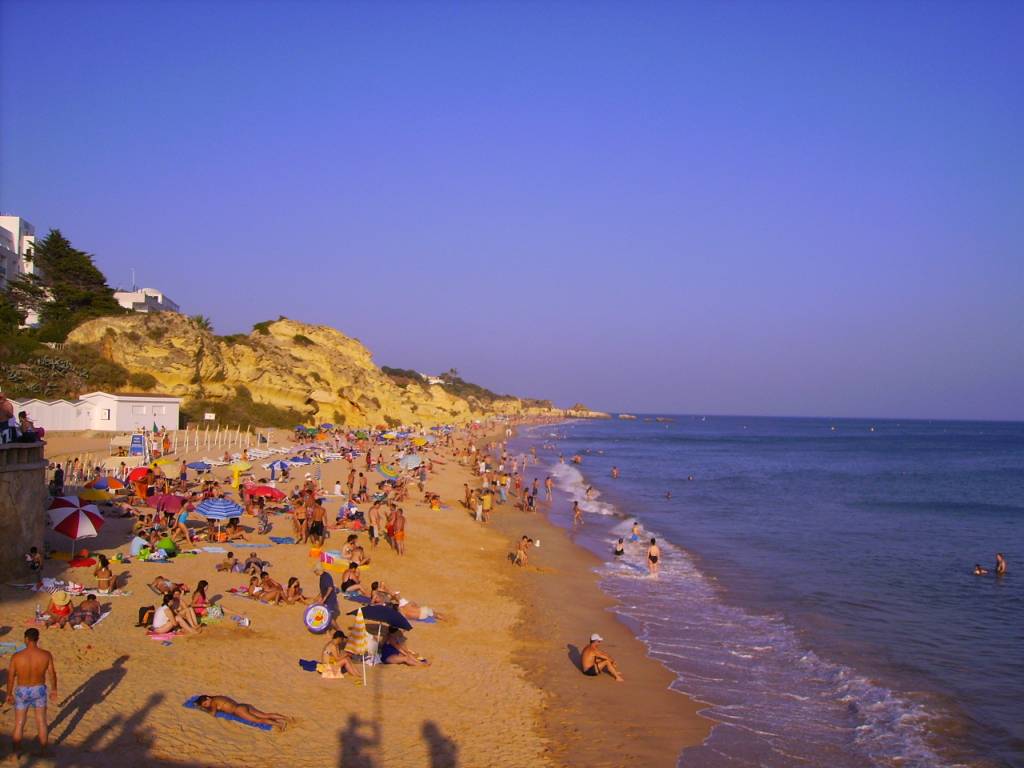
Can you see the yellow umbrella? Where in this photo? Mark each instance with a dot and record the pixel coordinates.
(419, 441)
(389, 435)
(359, 640)
(93, 494)
(164, 460)
(240, 466)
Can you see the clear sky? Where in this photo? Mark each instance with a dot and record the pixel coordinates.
(717, 207)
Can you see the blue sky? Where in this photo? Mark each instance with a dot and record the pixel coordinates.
(731, 207)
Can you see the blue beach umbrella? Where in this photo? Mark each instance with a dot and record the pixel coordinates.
(219, 509)
(300, 460)
(200, 466)
(326, 426)
(384, 614)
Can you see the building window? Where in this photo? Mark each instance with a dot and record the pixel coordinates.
(138, 410)
(104, 414)
(158, 409)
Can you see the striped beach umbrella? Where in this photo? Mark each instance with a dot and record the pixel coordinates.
(219, 509)
(74, 518)
(387, 470)
(359, 640)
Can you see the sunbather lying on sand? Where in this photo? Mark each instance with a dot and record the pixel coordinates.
(247, 712)
(381, 596)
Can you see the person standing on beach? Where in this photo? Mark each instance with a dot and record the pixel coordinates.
(577, 514)
(27, 677)
(399, 535)
(351, 481)
(653, 556)
(549, 485)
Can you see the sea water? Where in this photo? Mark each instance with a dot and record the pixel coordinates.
(816, 587)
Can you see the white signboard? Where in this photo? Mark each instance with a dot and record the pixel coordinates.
(209, 416)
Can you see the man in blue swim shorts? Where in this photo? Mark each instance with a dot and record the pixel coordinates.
(27, 676)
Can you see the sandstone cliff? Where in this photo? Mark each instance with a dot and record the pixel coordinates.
(311, 369)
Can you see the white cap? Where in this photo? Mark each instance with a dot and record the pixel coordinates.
(596, 638)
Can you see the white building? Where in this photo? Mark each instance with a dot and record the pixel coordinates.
(17, 240)
(145, 300)
(103, 412)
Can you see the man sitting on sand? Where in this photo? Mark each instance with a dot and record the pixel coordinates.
(247, 712)
(395, 651)
(594, 661)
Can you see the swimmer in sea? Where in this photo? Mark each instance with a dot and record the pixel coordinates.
(668, 495)
(620, 548)
(634, 534)
(1000, 564)
(653, 556)
(979, 571)
(615, 472)
(590, 492)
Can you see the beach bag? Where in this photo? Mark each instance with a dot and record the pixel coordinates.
(214, 612)
(146, 613)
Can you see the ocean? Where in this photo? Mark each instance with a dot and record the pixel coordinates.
(816, 587)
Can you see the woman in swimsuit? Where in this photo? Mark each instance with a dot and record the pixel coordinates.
(620, 548)
(104, 576)
(350, 580)
(199, 600)
(293, 592)
(653, 554)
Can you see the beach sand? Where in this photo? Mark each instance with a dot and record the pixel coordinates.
(502, 689)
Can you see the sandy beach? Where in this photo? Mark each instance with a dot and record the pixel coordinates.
(503, 687)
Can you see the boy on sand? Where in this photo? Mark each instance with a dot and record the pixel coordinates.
(26, 687)
(594, 661)
(247, 712)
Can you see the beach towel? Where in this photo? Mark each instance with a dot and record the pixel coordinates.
(103, 615)
(115, 593)
(82, 562)
(215, 550)
(191, 704)
(282, 539)
(244, 545)
(11, 648)
(308, 665)
(355, 597)
(160, 635)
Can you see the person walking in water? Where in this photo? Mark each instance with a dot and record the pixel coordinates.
(1000, 564)
(653, 556)
(27, 678)
(577, 514)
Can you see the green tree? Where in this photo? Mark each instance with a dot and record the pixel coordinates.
(66, 288)
(202, 322)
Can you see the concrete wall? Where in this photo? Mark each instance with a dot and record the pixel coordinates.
(23, 497)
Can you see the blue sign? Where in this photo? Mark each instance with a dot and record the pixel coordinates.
(138, 446)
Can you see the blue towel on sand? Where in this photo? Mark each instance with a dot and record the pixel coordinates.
(355, 597)
(282, 539)
(243, 544)
(191, 704)
(308, 665)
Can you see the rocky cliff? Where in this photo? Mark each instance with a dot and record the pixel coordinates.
(312, 369)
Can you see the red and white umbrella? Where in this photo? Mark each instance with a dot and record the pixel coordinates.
(75, 518)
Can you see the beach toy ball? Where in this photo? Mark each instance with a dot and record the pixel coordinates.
(317, 619)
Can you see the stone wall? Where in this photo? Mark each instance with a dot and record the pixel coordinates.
(23, 496)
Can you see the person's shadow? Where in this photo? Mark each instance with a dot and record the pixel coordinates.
(444, 752)
(356, 748)
(87, 695)
(574, 656)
